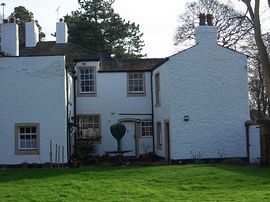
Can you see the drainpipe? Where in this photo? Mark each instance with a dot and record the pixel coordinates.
(67, 98)
(152, 106)
(74, 77)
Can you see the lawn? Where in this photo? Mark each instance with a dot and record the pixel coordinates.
(199, 182)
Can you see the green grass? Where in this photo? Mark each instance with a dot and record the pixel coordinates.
(209, 182)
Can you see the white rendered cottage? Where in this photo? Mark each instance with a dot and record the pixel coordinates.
(197, 99)
(201, 101)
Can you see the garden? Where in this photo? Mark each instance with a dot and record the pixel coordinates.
(194, 182)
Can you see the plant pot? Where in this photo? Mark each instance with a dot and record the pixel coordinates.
(74, 164)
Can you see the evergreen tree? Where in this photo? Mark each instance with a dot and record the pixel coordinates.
(22, 15)
(97, 27)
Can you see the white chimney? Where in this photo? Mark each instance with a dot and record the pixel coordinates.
(61, 32)
(10, 39)
(206, 35)
(31, 34)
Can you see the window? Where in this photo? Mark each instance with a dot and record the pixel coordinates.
(159, 137)
(27, 138)
(89, 127)
(87, 81)
(157, 89)
(146, 128)
(136, 83)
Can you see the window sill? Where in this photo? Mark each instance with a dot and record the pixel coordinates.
(136, 94)
(159, 147)
(27, 152)
(86, 94)
(146, 136)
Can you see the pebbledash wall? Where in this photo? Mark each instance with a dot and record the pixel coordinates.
(33, 89)
(113, 104)
(207, 83)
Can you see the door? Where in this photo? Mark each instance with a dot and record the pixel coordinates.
(128, 141)
(167, 141)
(254, 144)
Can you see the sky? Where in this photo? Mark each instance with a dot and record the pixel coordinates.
(158, 19)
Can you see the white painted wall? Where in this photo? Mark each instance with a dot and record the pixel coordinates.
(163, 111)
(32, 91)
(10, 39)
(111, 100)
(31, 34)
(61, 32)
(209, 84)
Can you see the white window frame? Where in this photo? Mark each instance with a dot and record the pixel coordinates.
(133, 81)
(146, 128)
(90, 132)
(23, 130)
(84, 78)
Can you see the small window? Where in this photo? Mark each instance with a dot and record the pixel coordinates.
(159, 136)
(136, 83)
(87, 81)
(89, 127)
(27, 138)
(146, 128)
(157, 89)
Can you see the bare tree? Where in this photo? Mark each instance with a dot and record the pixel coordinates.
(254, 13)
(233, 26)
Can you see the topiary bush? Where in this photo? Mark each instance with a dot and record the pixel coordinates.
(118, 131)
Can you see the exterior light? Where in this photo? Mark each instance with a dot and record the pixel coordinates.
(186, 118)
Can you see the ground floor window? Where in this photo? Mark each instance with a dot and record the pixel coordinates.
(89, 127)
(146, 128)
(27, 138)
(159, 136)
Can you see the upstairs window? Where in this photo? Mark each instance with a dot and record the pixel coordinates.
(87, 80)
(136, 83)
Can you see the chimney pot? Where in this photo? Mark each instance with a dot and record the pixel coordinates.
(202, 19)
(209, 18)
(12, 20)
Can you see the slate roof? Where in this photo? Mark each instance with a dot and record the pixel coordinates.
(75, 53)
(142, 64)
(50, 48)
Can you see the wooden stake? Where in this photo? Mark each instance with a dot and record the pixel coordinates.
(58, 162)
(63, 156)
(51, 153)
(55, 155)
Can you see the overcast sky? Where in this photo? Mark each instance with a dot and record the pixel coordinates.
(157, 18)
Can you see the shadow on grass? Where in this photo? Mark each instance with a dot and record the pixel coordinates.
(15, 174)
(244, 171)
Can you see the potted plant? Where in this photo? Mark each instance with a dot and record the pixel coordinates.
(118, 130)
(76, 156)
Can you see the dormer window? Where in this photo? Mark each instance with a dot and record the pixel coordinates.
(136, 83)
(87, 81)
